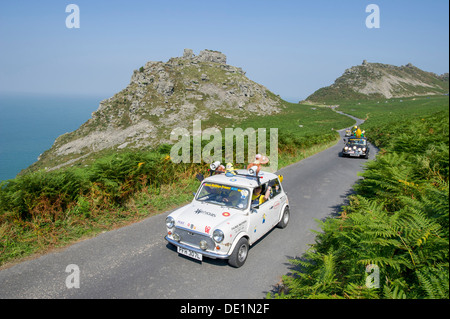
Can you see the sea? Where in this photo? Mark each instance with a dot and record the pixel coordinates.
(30, 123)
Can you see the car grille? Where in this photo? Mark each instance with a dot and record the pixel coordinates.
(194, 238)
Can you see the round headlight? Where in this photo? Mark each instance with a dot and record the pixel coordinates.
(170, 222)
(346, 148)
(364, 149)
(203, 245)
(218, 236)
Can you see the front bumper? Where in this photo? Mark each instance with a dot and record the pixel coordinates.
(354, 153)
(197, 250)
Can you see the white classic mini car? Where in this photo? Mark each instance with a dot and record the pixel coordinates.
(223, 221)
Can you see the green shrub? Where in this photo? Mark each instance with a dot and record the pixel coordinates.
(398, 220)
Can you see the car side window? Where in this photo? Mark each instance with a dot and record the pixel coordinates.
(257, 202)
(263, 192)
(276, 188)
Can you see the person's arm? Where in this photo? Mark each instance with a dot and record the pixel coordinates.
(267, 194)
(264, 198)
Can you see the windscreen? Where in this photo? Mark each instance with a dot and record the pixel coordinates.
(357, 141)
(224, 195)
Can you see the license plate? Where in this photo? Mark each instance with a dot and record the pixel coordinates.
(189, 253)
(354, 154)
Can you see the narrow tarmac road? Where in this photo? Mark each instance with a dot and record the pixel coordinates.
(136, 262)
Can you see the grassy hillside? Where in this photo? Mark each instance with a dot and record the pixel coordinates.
(42, 210)
(397, 222)
(372, 81)
(388, 110)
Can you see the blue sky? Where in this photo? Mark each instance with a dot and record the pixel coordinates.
(291, 47)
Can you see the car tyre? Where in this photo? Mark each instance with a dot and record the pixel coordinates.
(285, 218)
(240, 253)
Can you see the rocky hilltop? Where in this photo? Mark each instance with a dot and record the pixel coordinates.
(160, 97)
(381, 81)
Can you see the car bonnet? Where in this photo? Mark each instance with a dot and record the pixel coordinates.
(204, 217)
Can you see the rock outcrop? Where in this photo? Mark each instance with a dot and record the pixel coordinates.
(381, 81)
(162, 96)
(205, 56)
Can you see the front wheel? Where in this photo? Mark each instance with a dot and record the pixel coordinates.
(240, 253)
(284, 219)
